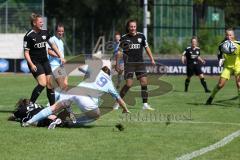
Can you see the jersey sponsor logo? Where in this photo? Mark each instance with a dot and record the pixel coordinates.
(34, 39)
(139, 40)
(43, 37)
(134, 46)
(40, 45)
(197, 52)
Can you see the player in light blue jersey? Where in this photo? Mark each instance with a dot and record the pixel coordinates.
(56, 66)
(86, 96)
(120, 60)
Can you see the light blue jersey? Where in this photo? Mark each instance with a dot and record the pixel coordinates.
(102, 84)
(55, 61)
(115, 52)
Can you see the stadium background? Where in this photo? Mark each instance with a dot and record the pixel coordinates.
(170, 25)
(182, 123)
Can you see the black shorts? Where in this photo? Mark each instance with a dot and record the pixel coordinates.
(42, 68)
(193, 69)
(138, 68)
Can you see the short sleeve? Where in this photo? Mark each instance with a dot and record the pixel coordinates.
(48, 35)
(26, 43)
(144, 41)
(184, 52)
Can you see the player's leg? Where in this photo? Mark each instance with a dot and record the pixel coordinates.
(128, 76)
(88, 117)
(199, 73)
(46, 112)
(120, 75)
(40, 77)
(49, 78)
(187, 82)
(190, 73)
(204, 83)
(225, 76)
(237, 78)
(89, 108)
(141, 75)
(119, 79)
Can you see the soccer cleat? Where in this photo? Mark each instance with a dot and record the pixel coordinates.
(25, 124)
(147, 107)
(209, 101)
(116, 106)
(54, 123)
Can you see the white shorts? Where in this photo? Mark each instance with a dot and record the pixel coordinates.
(59, 71)
(85, 103)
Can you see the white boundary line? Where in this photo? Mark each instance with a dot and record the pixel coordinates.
(212, 147)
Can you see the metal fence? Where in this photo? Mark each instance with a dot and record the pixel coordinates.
(176, 21)
(14, 17)
(173, 22)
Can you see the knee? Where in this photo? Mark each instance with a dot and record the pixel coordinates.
(129, 85)
(221, 85)
(143, 82)
(49, 86)
(64, 86)
(42, 83)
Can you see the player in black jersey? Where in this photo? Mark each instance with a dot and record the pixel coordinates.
(191, 57)
(24, 110)
(36, 55)
(131, 45)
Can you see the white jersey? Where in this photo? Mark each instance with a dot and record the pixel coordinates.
(55, 61)
(86, 95)
(102, 84)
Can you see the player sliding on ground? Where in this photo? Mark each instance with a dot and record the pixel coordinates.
(229, 57)
(86, 95)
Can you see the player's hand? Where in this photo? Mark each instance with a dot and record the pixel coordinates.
(125, 110)
(117, 68)
(203, 61)
(63, 61)
(153, 62)
(220, 63)
(33, 68)
(183, 61)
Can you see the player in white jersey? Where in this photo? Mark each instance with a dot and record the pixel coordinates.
(56, 65)
(86, 96)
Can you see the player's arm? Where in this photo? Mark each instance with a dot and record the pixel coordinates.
(183, 58)
(123, 105)
(28, 58)
(55, 49)
(117, 58)
(148, 50)
(26, 47)
(52, 53)
(201, 60)
(149, 53)
(220, 55)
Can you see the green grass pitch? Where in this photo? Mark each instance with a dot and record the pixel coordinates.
(145, 137)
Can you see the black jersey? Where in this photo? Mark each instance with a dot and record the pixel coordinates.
(27, 111)
(192, 55)
(36, 44)
(132, 47)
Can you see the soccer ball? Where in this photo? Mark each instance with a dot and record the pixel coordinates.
(228, 47)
